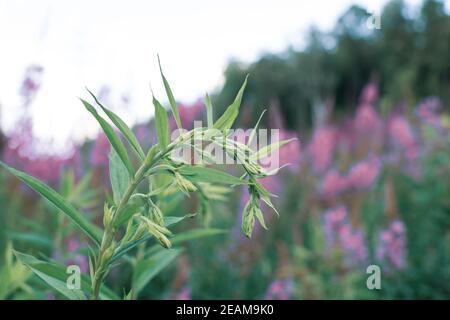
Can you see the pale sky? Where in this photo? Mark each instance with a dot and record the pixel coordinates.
(114, 42)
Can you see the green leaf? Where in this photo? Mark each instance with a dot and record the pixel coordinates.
(170, 221)
(113, 139)
(120, 179)
(253, 133)
(128, 247)
(229, 116)
(195, 234)
(88, 228)
(265, 151)
(149, 268)
(205, 174)
(209, 111)
(55, 275)
(173, 103)
(31, 238)
(260, 217)
(162, 124)
(123, 127)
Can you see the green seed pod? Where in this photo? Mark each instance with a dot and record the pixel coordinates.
(140, 231)
(158, 232)
(248, 219)
(164, 242)
(156, 214)
(108, 253)
(185, 185)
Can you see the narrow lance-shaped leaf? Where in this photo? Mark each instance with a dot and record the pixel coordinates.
(205, 174)
(173, 103)
(120, 179)
(55, 275)
(113, 139)
(149, 268)
(260, 217)
(123, 127)
(267, 150)
(170, 221)
(162, 124)
(209, 111)
(229, 116)
(253, 133)
(57, 200)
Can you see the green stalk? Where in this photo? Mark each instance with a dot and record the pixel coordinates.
(107, 246)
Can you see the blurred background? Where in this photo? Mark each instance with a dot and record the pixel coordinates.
(364, 87)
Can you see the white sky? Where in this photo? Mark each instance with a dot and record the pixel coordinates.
(114, 42)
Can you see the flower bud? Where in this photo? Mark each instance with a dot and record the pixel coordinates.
(158, 232)
(185, 185)
(108, 253)
(140, 231)
(164, 241)
(156, 215)
(248, 220)
(107, 216)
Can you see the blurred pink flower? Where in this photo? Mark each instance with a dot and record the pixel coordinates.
(22, 153)
(402, 135)
(72, 245)
(184, 294)
(321, 148)
(428, 111)
(364, 173)
(280, 290)
(352, 241)
(368, 121)
(333, 184)
(369, 93)
(391, 247)
(333, 218)
(339, 232)
(347, 136)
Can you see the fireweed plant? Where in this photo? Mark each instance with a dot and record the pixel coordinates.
(132, 215)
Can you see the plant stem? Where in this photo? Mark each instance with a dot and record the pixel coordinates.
(101, 268)
(103, 258)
